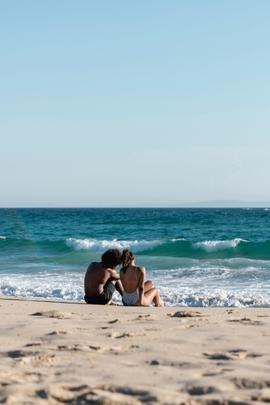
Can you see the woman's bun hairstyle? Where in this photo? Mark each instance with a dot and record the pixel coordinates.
(126, 259)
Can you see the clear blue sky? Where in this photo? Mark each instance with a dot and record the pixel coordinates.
(134, 103)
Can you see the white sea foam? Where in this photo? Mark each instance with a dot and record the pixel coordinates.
(51, 286)
(3, 237)
(101, 245)
(196, 283)
(59, 288)
(217, 298)
(234, 282)
(214, 245)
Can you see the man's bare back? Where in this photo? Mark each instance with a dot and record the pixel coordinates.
(96, 277)
(101, 279)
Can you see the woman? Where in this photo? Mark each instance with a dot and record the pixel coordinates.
(136, 290)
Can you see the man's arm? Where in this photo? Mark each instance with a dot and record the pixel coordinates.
(113, 275)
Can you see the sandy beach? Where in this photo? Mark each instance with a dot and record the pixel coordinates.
(53, 353)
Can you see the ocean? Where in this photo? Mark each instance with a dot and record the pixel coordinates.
(196, 257)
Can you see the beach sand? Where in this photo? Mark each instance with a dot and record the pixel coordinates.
(54, 353)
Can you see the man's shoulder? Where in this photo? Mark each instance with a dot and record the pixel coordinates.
(94, 266)
(99, 267)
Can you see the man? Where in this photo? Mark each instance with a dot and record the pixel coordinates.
(101, 279)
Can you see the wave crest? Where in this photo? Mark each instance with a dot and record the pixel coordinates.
(101, 245)
(178, 247)
(215, 245)
(212, 249)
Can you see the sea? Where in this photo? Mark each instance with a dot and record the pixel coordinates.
(197, 257)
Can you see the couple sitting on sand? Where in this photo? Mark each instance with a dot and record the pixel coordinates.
(101, 280)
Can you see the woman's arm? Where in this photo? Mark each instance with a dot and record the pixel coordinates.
(141, 285)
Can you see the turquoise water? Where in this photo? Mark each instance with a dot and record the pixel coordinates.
(197, 257)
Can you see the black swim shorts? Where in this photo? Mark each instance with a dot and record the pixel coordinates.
(104, 297)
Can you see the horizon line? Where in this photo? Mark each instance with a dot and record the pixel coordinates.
(183, 206)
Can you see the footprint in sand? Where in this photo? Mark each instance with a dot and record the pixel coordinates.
(76, 394)
(263, 396)
(3, 397)
(113, 321)
(19, 354)
(231, 355)
(132, 347)
(167, 363)
(29, 357)
(245, 321)
(39, 360)
(70, 348)
(28, 376)
(68, 393)
(125, 335)
(248, 383)
(200, 389)
(118, 349)
(53, 314)
(42, 394)
(186, 314)
(57, 333)
(212, 373)
(132, 395)
(143, 317)
(230, 311)
(78, 348)
(89, 349)
(95, 347)
(32, 344)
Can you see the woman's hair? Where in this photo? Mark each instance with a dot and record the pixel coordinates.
(127, 258)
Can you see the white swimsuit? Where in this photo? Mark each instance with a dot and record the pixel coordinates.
(130, 298)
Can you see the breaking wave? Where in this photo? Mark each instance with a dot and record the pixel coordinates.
(223, 249)
(101, 245)
(215, 245)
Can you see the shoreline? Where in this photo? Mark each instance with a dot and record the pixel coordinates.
(119, 304)
(62, 352)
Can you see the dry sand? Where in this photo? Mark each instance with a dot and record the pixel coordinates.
(55, 353)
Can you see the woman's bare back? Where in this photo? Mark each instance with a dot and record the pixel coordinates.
(130, 278)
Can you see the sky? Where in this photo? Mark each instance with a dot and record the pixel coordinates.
(134, 103)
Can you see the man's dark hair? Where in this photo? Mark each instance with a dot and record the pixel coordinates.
(111, 258)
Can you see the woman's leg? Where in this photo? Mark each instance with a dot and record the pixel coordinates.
(148, 285)
(152, 296)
